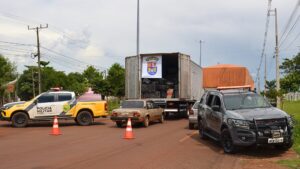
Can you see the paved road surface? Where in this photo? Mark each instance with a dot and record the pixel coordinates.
(160, 146)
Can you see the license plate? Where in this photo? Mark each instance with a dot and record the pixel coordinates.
(275, 140)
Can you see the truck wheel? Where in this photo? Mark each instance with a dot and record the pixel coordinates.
(119, 124)
(191, 126)
(201, 130)
(19, 119)
(227, 142)
(285, 146)
(162, 118)
(146, 121)
(84, 118)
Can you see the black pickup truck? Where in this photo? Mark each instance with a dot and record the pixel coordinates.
(243, 118)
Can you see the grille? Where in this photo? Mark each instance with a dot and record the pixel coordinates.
(268, 126)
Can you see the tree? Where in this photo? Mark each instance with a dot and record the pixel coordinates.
(77, 83)
(291, 69)
(116, 80)
(95, 80)
(7, 74)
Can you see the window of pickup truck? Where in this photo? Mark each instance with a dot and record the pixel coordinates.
(64, 97)
(244, 101)
(46, 98)
(133, 104)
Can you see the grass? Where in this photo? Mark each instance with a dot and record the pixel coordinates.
(293, 108)
(113, 104)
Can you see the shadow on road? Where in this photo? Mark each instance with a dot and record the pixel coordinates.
(245, 152)
(49, 124)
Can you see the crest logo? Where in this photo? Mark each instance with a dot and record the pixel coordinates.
(151, 65)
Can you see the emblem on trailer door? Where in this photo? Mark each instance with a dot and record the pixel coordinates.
(151, 65)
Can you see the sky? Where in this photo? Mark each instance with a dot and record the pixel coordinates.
(103, 32)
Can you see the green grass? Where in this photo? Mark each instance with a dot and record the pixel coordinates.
(113, 104)
(293, 108)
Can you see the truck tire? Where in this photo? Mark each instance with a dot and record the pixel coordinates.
(191, 126)
(84, 118)
(285, 146)
(19, 119)
(227, 142)
(146, 121)
(119, 124)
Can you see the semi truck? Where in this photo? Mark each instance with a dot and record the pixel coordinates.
(172, 80)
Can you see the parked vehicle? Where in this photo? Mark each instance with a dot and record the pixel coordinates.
(45, 106)
(193, 114)
(243, 118)
(171, 80)
(139, 111)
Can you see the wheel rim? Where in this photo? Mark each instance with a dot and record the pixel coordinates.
(227, 142)
(85, 118)
(146, 121)
(20, 119)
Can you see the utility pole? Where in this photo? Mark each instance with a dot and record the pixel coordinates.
(33, 86)
(38, 53)
(265, 76)
(258, 82)
(200, 52)
(277, 60)
(138, 49)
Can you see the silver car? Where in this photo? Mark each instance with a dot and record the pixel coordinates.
(193, 115)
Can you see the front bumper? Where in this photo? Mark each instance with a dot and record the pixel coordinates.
(244, 137)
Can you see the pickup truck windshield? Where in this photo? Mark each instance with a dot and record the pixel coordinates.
(244, 101)
(132, 104)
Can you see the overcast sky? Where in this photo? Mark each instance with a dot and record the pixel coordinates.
(102, 32)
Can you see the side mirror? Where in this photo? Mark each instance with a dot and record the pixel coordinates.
(35, 102)
(215, 108)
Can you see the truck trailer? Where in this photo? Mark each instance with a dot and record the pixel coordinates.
(172, 80)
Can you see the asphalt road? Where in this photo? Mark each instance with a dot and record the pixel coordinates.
(160, 146)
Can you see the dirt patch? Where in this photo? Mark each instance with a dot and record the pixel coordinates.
(264, 158)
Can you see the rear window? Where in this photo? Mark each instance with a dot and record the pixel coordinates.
(132, 104)
(195, 106)
(64, 97)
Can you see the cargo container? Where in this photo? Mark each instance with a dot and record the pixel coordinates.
(173, 80)
(226, 75)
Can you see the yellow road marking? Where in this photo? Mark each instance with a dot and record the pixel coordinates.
(188, 136)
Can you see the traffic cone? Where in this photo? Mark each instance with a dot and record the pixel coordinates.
(128, 133)
(55, 129)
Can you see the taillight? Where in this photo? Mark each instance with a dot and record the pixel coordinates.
(136, 114)
(114, 114)
(191, 111)
(106, 107)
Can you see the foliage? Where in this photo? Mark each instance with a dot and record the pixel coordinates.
(291, 68)
(293, 108)
(95, 80)
(7, 74)
(113, 104)
(77, 83)
(116, 80)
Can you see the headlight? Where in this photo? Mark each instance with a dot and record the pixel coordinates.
(6, 107)
(290, 121)
(239, 123)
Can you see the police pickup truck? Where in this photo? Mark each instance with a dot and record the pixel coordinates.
(45, 106)
(243, 118)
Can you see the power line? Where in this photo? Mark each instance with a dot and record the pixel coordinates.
(265, 39)
(293, 41)
(14, 43)
(290, 20)
(79, 61)
(291, 30)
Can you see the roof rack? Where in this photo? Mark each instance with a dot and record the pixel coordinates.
(245, 87)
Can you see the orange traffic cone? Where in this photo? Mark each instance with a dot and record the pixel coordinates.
(55, 129)
(128, 133)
